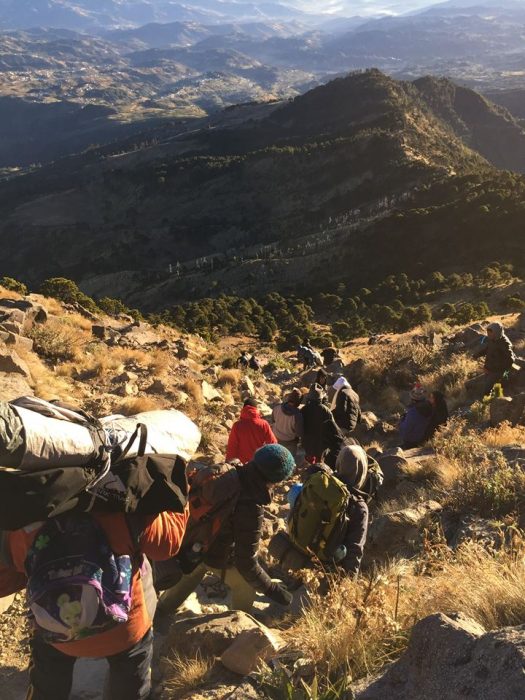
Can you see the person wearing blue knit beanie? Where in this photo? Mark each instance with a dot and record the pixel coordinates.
(233, 555)
(275, 463)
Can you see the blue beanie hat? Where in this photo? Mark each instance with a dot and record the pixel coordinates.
(275, 463)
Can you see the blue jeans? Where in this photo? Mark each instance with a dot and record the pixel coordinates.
(51, 672)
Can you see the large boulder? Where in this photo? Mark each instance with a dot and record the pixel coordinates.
(399, 534)
(11, 363)
(508, 409)
(452, 657)
(12, 386)
(21, 314)
(355, 372)
(210, 393)
(394, 466)
(210, 635)
(251, 648)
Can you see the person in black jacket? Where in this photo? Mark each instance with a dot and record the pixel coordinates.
(320, 432)
(234, 554)
(345, 406)
(499, 356)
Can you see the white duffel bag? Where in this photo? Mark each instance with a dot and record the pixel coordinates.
(61, 437)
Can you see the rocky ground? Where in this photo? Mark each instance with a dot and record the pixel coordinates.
(438, 609)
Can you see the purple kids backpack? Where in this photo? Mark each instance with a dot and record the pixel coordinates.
(77, 587)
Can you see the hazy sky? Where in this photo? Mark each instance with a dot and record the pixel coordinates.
(360, 7)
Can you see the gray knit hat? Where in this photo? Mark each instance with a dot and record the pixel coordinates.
(352, 463)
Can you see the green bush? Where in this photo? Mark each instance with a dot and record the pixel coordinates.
(13, 285)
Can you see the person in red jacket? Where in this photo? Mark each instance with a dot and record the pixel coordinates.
(248, 434)
(128, 647)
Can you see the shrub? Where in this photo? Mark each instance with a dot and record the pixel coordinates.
(57, 341)
(13, 285)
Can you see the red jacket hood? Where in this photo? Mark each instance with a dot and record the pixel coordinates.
(250, 413)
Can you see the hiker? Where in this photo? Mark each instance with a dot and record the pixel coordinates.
(233, 555)
(243, 361)
(321, 434)
(288, 421)
(321, 379)
(128, 645)
(254, 364)
(499, 356)
(351, 468)
(249, 433)
(415, 423)
(329, 514)
(345, 406)
(306, 357)
(329, 356)
(439, 414)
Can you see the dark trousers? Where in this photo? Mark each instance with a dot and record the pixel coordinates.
(51, 672)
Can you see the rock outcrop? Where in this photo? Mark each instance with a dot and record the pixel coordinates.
(452, 657)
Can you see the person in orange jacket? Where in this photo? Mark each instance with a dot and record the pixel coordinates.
(248, 434)
(128, 647)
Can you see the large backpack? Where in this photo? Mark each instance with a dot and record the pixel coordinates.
(319, 518)
(76, 586)
(213, 495)
(144, 485)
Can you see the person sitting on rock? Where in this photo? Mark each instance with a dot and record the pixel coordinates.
(321, 434)
(345, 406)
(249, 433)
(415, 423)
(288, 421)
(234, 554)
(499, 356)
(439, 415)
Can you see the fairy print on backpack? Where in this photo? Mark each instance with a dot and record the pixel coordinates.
(77, 587)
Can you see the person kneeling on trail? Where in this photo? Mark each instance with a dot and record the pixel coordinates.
(233, 555)
(90, 593)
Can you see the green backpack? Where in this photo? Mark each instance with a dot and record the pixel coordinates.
(319, 519)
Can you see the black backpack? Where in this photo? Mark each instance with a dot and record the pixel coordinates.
(143, 485)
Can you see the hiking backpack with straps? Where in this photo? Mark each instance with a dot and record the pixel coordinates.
(319, 518)
(77, 587)
(213, 495)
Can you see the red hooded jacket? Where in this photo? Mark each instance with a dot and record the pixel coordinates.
(248, 434)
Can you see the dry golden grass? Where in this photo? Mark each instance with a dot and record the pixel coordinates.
(485, 482)
(229, 379)
(504, 434)
(7, 294)
(183, 674)
(392, 368)
(45, 383)
(103, 362)
(437, 472)
(61, 339)
(194, 391)
(363, 625)
(132, 405)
